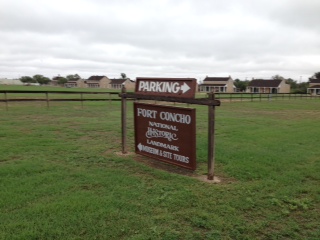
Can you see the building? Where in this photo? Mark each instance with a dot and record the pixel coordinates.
(6, 81)
(97, 82)
(75, 83)
(314, 86)
(268, 86)
(217, 84)
(118, 83)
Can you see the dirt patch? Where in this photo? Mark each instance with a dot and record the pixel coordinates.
(163, 166)
(122, 154)
(178, 170)
(153, 163)
(204, 178)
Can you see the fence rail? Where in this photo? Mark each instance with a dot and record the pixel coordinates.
(262, 96)
(64, 96)
(56, 96)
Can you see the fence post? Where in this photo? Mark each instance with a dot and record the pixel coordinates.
(211, 143)
(47, 99)
(6, 100)
(124, 120)
(81, 96)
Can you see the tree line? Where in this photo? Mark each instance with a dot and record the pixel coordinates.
(42, 80)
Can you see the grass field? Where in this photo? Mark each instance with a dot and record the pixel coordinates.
(62, 175)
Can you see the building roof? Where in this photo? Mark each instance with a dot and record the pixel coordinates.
(74, 80)
(117, 80)
(96, 78)
(216, 79)
(314, 80)
(315, 86)
(56, 78)
(264, 83)
(213, 85)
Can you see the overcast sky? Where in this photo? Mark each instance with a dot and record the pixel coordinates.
(160, 38)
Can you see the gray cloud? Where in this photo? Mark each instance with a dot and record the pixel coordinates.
(160, 38)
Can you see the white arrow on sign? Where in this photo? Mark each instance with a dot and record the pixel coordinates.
(140, 147)
(185, 87)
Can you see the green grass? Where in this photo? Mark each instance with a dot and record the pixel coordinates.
(62, 177)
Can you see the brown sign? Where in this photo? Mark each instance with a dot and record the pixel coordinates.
(166, 133)
(170, 87)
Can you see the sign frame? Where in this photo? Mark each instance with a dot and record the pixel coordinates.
(210, 102)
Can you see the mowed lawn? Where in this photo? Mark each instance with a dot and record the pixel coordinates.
(62, 175)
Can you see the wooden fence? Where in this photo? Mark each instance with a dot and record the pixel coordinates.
(56, 96)
(262, 96)
(59, 96)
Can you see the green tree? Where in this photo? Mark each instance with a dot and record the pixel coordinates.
(123, 75)
(26, 79)
(41, 79)
(62, 81)
(72, 77)
(302, 87)
(241, 85)
(277, 77)
(44, 80)
(316, 75)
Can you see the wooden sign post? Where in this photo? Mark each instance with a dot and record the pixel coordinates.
(180, 90)
(211, 142)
